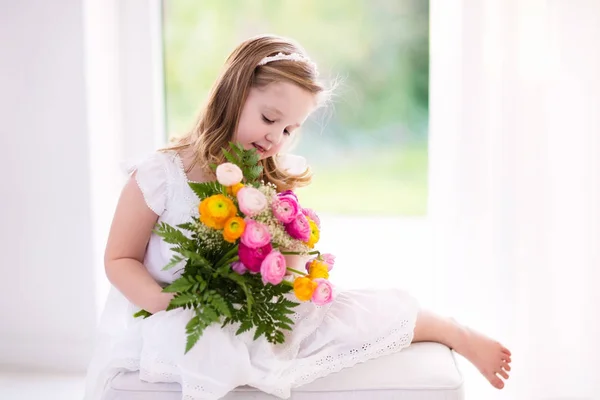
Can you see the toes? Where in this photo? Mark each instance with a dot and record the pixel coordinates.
(495, 381)
(506, 351)
(503, 374)
(506, 366)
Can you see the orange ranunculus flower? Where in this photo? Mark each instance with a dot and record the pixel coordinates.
(304, 288)
(318, 269)
(216, 210)
(234, 227)
(233, 190)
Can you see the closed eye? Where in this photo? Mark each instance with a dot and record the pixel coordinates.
(268, 121)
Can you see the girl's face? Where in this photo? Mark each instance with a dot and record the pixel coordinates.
(271, 115)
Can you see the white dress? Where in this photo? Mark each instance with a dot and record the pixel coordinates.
(357, 326)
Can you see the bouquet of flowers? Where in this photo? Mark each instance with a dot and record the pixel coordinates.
(235, 267)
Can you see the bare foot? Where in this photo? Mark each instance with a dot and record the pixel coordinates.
(490, 357)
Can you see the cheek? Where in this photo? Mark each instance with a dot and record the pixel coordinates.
(241, 136)
(247, 130)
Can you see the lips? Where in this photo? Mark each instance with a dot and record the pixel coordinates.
(259, 148)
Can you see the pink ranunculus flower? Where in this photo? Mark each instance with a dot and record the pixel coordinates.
(251, 201)
(273, 268)
(328, 259)
(312, 215)
(253, 258)
(285, 208)
(299, 228)
(239, 267)
(255, 234)
(289, 193)
(229, 174)
(307, 265)
(323, 294)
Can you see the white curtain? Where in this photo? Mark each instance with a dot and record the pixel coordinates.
(515, 185)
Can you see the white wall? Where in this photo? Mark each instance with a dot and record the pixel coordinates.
(47, 306)
(72, 110)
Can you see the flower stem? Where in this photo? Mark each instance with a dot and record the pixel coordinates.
(226, 257)
(299, 253)
(296, 271)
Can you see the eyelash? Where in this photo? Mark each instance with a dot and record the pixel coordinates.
(268, 121)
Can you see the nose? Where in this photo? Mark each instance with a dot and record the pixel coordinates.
(274, 137)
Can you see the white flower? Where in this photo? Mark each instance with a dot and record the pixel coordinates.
(251, 201)
(292, 164)
(229, 174)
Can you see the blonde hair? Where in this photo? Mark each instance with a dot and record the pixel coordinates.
(219, 118)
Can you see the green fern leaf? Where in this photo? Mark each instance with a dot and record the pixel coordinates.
(182, 284)
(142, 313)
(209, 315)
(244, 327)
(171, 235)
(188, 226)
(206, 189)
(174, 261)
(184, 300)
(219, 303)
(261, 329)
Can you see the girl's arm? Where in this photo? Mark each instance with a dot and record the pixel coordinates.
(130, 232)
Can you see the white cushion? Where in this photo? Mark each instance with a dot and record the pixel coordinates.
(423, 371)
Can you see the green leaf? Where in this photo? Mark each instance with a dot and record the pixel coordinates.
(230, 157)
(251, 158)
(238, 149)
(184, 299)
(194, 257)
(188, 226)
(174, 261)
(241, 281)
(142, 313)
(180, 285)
(279, 337)
(209, 315)
(206, 189)
(283, 325)
(284, 318)
(287, 303)
(219, 303)
(193, 324)
(244, 327)
(171, 235)
(254, 172)
(192, 339)
(262, 328)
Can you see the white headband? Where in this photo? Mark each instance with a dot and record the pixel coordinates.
(289, 57)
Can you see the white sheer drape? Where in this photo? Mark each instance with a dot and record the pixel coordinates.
(515, 184)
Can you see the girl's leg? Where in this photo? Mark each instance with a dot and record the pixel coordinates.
(489, 356)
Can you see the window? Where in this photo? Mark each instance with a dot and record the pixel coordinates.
(369, 149)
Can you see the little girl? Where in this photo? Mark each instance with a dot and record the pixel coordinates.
(266, 91)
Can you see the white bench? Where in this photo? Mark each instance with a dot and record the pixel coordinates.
(423, 371)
